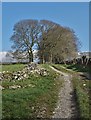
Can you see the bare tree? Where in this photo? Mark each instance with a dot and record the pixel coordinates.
(24, 37)
(59, 44)
(46, 26)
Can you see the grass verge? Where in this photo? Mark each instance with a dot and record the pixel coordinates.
(12, 67)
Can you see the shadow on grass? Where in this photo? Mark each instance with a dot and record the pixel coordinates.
(79, 68)
(86, 70)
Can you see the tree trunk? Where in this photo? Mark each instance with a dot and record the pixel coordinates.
(87, 61)
(43, 59)
(51, 58)
(30, 56)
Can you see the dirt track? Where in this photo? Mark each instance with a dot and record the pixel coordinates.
(66, 105)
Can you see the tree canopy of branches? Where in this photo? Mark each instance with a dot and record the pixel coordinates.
(24, 37)
(55, 43)
(58, 44)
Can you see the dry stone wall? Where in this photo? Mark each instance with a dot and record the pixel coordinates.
(29, 69)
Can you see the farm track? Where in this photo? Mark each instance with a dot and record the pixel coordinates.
(66, 105)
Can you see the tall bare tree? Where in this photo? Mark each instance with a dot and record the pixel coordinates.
(46, 26)
(24, 37)
(59, 44)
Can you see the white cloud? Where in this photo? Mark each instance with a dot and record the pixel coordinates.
(2, 55)
(5, 58)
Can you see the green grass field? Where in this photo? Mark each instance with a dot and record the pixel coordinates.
(37, 96)
(12, 67)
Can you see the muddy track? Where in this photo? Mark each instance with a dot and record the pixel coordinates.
(66, 105)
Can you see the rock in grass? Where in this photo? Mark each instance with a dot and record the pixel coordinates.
(1, 88)
(14, 87)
